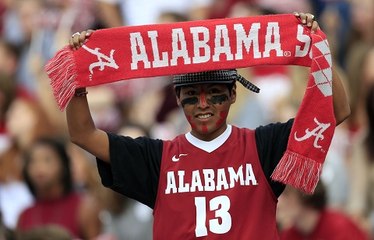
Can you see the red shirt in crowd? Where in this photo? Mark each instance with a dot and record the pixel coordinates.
(62, 212)
(332, 225)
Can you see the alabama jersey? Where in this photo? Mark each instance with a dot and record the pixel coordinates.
(216, 192)
(202, 190)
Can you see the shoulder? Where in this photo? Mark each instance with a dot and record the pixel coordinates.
(28, 211)
(340, 223)
(240, 133)
(290, 234)
(26, 216)
(119, 144)
(336, 218)
(74, 197)
(275, 126)
(236, 129)
(274, 130)
(177, 141)
(126, 139)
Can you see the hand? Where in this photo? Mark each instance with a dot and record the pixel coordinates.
(78, 39)
(309, 20)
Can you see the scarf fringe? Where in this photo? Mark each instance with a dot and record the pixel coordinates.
(62, 71)
(298, 171)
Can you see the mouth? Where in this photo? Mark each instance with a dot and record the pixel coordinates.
(204, 116)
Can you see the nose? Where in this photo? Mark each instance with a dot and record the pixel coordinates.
(202, 100)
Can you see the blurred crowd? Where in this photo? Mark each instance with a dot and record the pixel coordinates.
(50, 188)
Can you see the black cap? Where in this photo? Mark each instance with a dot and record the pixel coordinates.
(216, 76)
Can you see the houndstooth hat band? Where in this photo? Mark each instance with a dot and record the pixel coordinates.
(217, 76)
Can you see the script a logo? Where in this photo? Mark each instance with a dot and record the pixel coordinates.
(103, 60)
(176, 159)
(317, 132)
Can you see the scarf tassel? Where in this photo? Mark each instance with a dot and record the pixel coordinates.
(62, 71)
(298, 171)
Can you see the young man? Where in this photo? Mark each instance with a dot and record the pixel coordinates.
(213, 182)
(311, 218)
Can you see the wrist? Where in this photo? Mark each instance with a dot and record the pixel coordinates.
(80, 92)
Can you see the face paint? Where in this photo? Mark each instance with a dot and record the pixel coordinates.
(189, 101)
(189, 119)
(222, 118)
(203, 101)
(218, 99)
(198, 100)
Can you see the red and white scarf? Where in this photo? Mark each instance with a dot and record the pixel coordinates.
(167, 49)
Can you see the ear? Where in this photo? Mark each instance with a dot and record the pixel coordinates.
(177, 98)
(233, 94)
(178, 101)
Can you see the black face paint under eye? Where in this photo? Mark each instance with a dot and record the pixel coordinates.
(218, 99)
(190, 101)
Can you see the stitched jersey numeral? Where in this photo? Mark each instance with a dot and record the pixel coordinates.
(221, 223)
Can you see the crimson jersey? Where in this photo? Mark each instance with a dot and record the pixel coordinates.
(217, 193)
(205, 190)
(61, 212)
(332, 225)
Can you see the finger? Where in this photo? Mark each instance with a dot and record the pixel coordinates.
(75, 40)
(82, 38)
(296, 14)
(309, 19)
(303, 18)
(86, 35)
(89, 32)
(315, 26)
(71, 40)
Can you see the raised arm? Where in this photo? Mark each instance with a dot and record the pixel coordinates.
(342, 109)
(81, 127)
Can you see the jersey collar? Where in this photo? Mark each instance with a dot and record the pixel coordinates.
(209, 146)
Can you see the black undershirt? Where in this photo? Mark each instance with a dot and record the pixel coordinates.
(135, 163)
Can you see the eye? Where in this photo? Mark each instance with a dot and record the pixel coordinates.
(190, 92)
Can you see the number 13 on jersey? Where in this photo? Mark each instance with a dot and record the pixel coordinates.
(221, 223)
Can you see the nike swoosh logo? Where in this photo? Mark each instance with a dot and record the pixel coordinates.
(176, 159)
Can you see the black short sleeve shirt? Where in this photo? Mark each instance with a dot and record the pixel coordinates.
(134, 168)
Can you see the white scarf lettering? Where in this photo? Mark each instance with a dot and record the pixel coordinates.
(247, 42)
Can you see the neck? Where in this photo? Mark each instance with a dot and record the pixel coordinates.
(209, 136)
(53, 192)
(308, 222)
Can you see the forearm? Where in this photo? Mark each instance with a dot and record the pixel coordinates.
(82, 129)
(342, 109)
(110, 14)
(79, 120)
